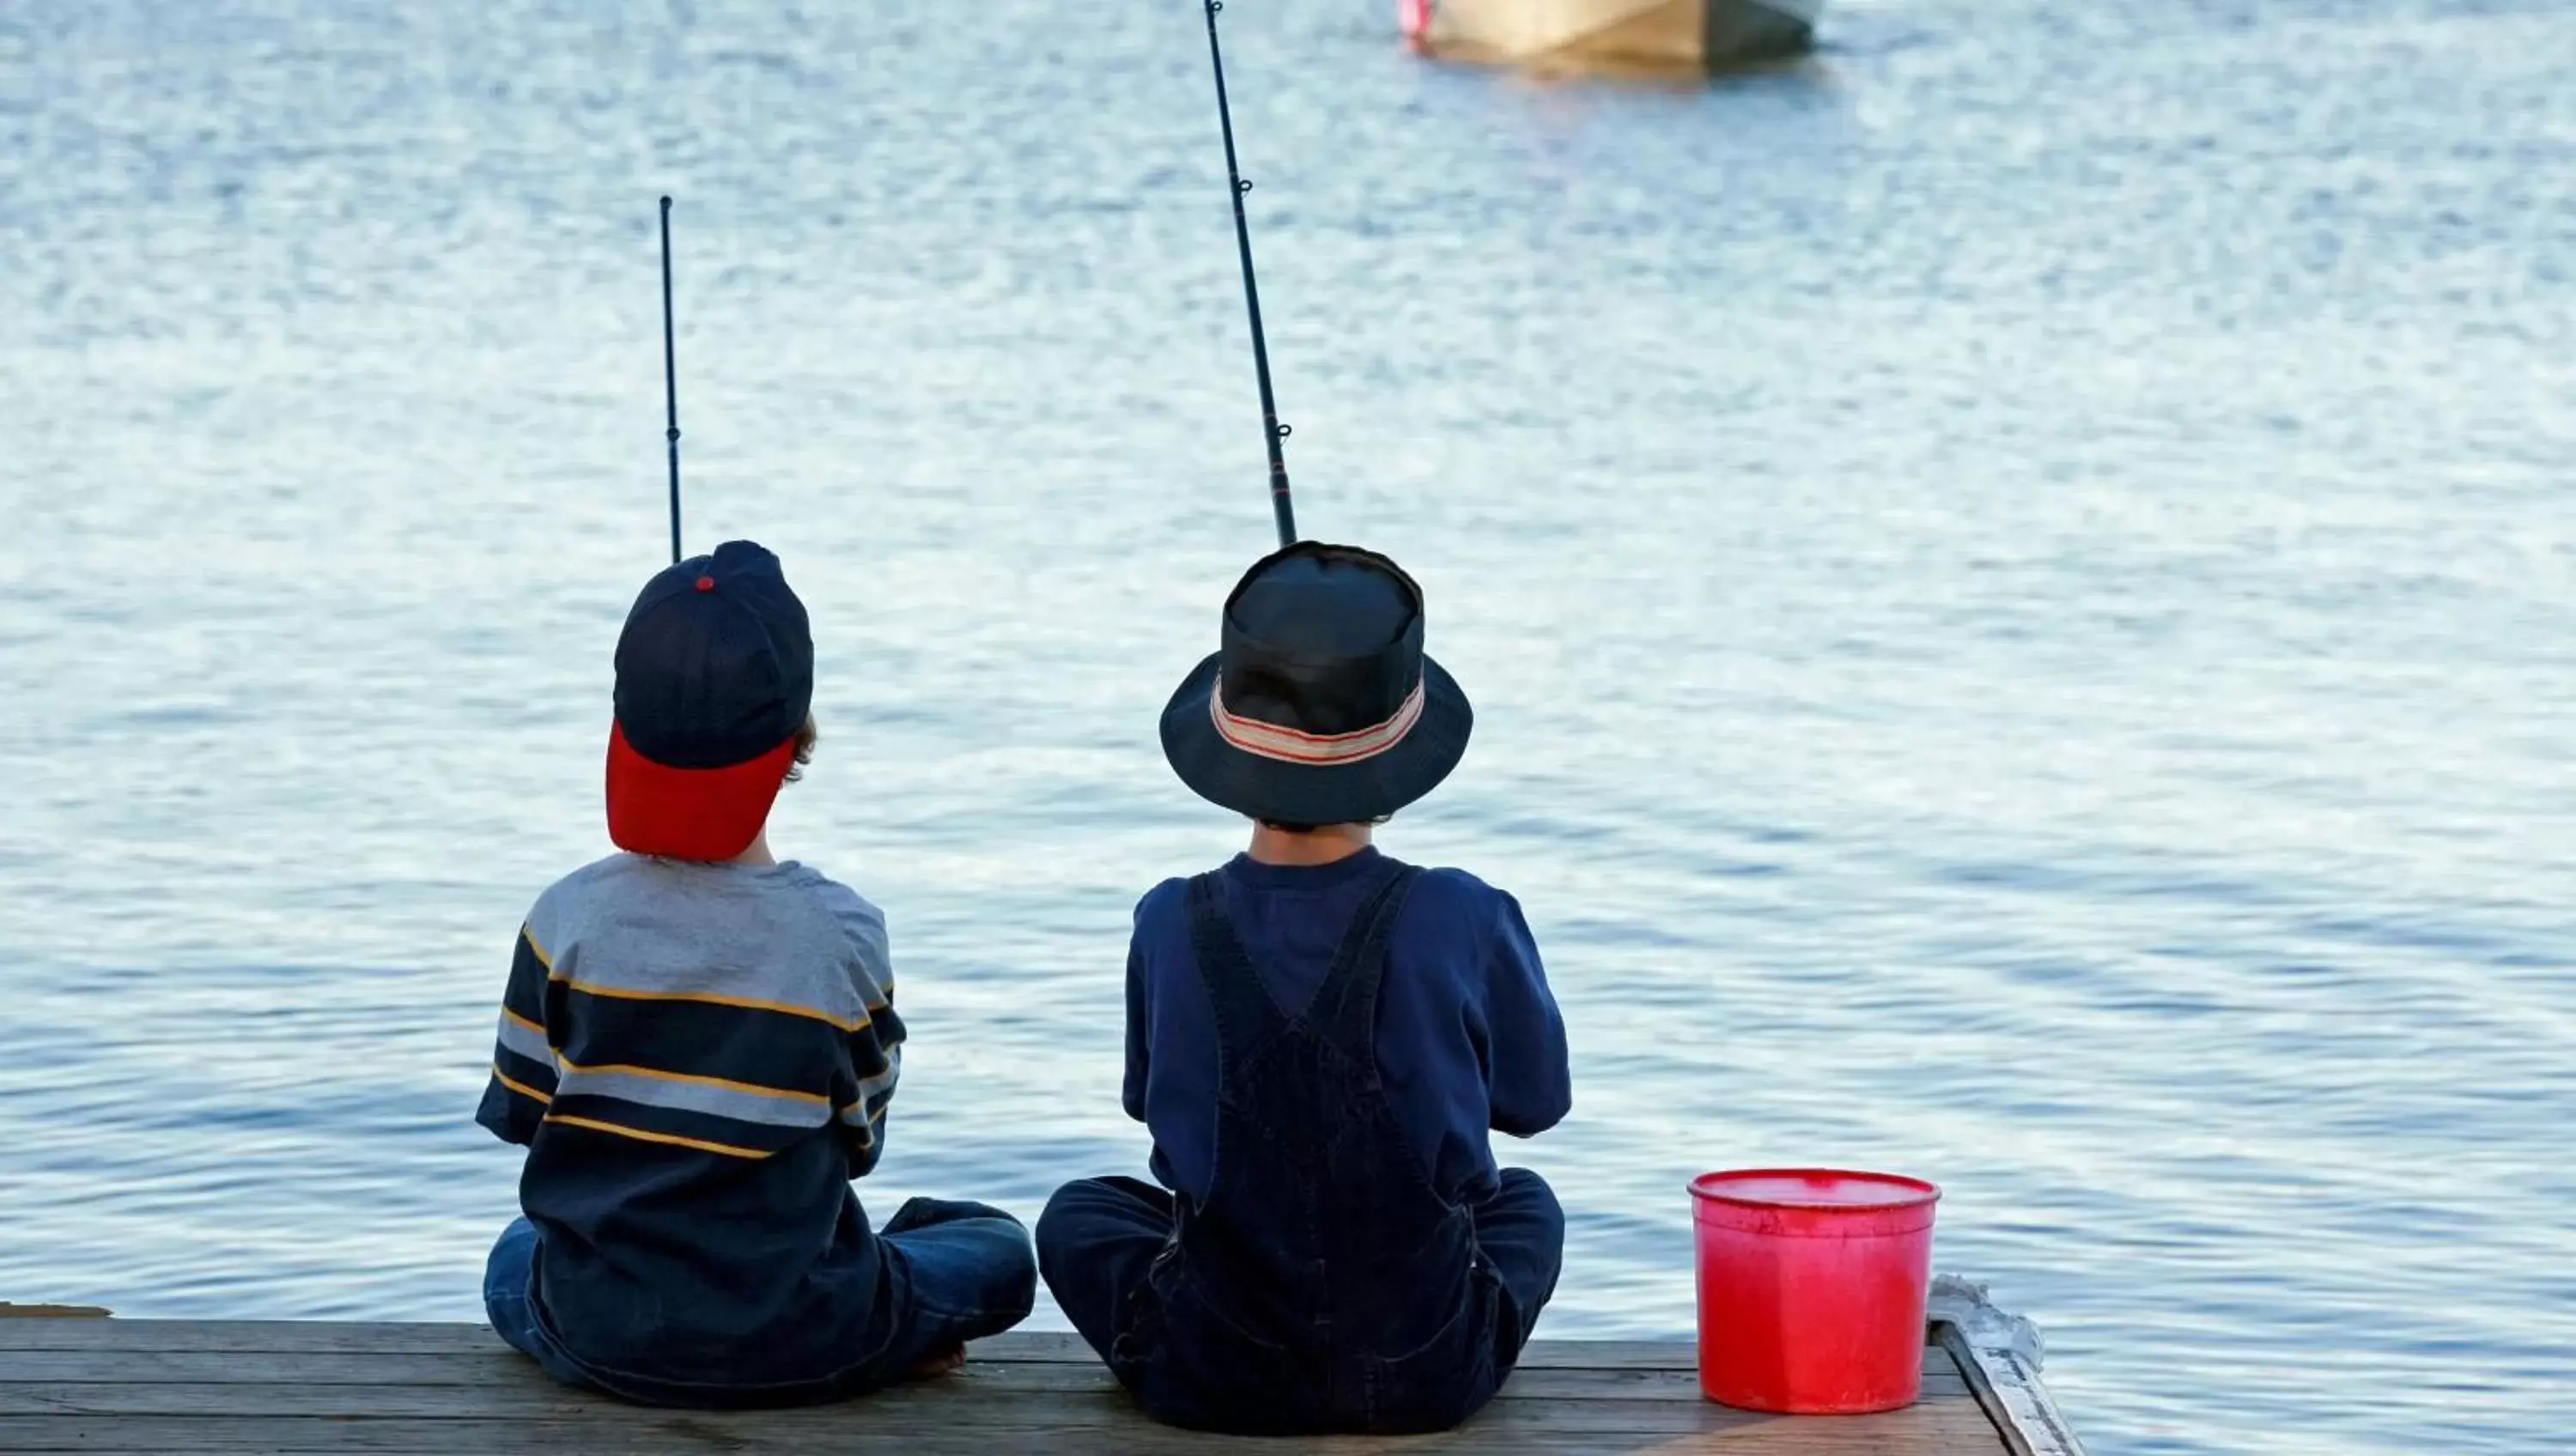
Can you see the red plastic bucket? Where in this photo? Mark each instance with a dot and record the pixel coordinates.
(1811, 1289)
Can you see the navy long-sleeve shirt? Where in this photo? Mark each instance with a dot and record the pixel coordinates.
(1468, 1038)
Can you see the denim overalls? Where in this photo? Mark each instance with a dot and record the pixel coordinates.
(1323, 1284)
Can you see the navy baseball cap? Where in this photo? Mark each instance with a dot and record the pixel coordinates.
(715, 675)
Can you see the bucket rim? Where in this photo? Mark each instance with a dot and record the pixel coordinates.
(1916, 1192)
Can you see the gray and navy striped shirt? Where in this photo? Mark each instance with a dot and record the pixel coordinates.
(698, 1058)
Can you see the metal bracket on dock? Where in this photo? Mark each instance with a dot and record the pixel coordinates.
(2000, 1354)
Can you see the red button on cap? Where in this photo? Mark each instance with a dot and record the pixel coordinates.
(706, 583)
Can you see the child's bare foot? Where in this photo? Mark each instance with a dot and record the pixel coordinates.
(941, 1364)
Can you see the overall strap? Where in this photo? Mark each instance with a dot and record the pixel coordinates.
(1245, 1014)
(1345, 1006)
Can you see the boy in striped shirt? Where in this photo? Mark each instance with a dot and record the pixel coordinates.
(697, 1046)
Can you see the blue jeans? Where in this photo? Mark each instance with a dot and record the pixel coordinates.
(959, 1272)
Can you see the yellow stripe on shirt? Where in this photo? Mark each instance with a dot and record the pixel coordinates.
(711, 998)
(728, 1084)
(640, 1135)
(522, 1088)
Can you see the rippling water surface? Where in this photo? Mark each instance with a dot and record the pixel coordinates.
(2018, 580)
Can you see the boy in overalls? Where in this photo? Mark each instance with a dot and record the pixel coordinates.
(1320, 1037)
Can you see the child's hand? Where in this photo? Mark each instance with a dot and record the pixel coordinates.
(938, 1365)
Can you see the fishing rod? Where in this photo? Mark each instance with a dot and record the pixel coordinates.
(1272, 431)
(670, 382)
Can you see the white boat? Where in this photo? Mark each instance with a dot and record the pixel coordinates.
(1653, 34)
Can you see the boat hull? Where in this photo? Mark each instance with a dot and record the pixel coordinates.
(1655, 34)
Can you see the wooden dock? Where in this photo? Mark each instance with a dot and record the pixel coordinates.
(162, 1387)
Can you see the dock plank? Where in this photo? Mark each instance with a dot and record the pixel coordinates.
(130, 1386)
(1002, 1388)
(1000, 1377)
(688, 1436)
(996, 1367)
(290, 1337)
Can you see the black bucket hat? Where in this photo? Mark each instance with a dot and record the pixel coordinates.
(1319, 707)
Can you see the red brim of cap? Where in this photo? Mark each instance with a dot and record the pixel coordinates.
(690, 813)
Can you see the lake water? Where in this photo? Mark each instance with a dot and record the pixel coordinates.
(2018, 581)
